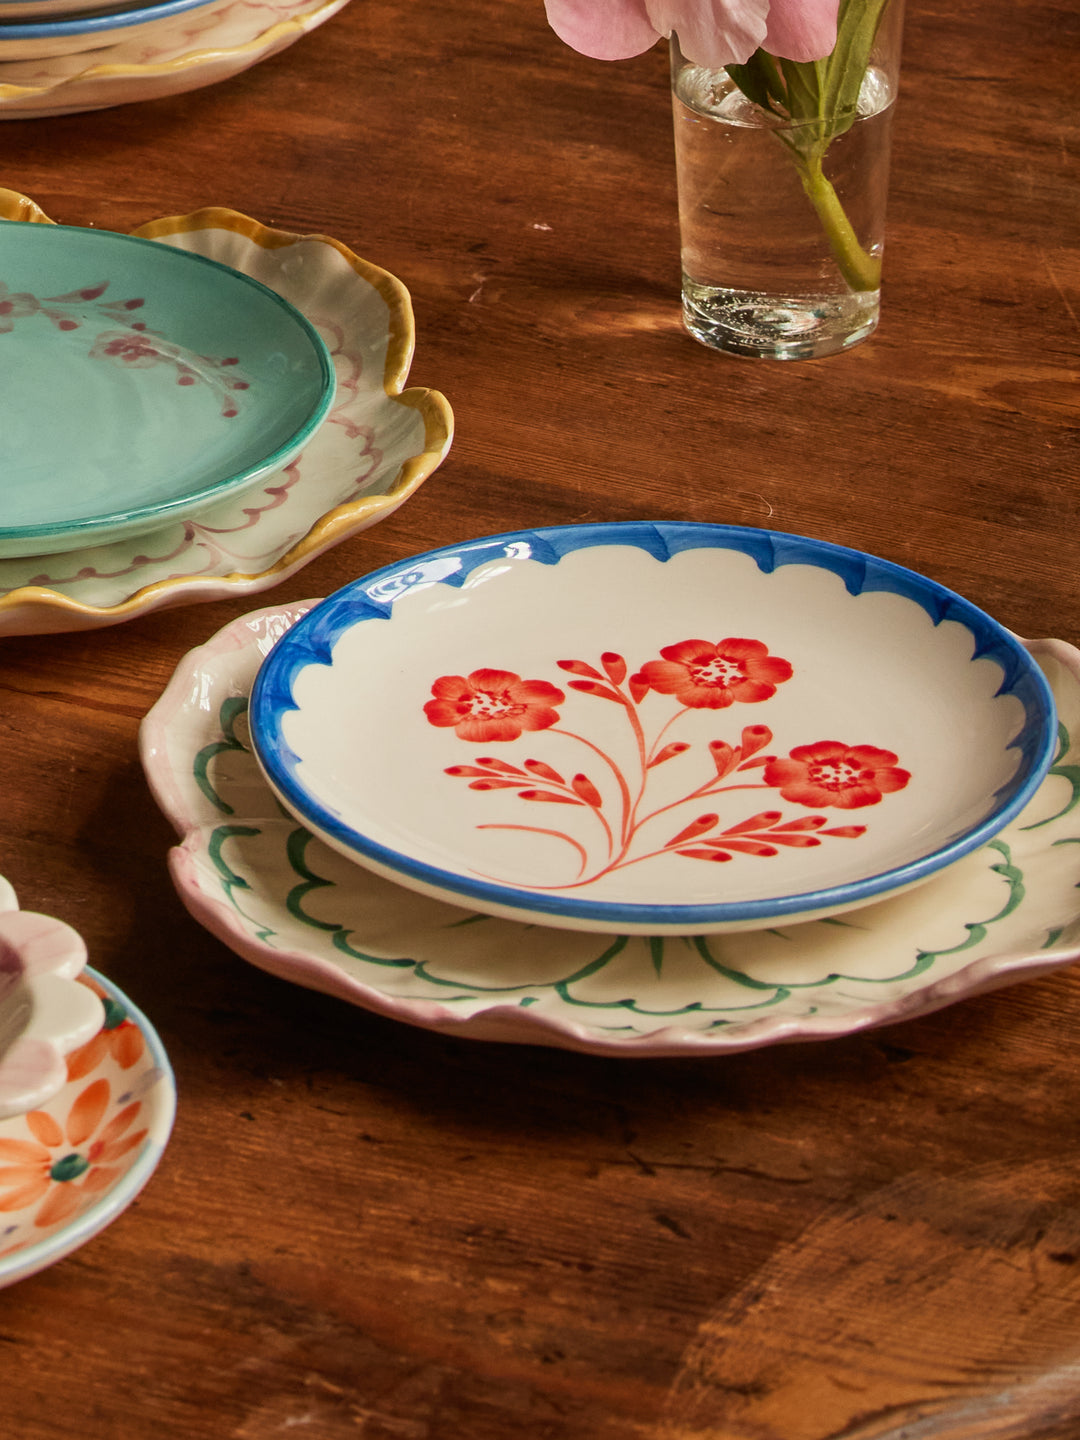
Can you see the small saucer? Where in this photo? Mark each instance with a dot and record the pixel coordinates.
(377, 446)
(284, 901)
(71, 1166)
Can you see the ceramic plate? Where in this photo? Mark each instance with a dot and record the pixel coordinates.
(20, 10)
(143, 384)
(377, 447)
(44, 1012)
(70, 1167)
(38, 36)
(660, 729)
(191, 51)
(290, 905)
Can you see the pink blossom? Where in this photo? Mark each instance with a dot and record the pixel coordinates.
(711, 32)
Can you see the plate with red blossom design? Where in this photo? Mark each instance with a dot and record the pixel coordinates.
(653, 729)
(142, 383)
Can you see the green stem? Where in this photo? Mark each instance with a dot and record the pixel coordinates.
(861, 270)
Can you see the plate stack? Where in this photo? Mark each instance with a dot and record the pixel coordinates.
(193, 412)
(634, 789)
(64, 56)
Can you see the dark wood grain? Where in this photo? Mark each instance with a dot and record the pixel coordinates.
(362, 1229)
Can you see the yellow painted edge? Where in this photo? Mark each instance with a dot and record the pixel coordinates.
(347, 518)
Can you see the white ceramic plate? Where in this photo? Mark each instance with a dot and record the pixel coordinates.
(185, 53)
(380, 442)
(667, 729)
(290, 905)
(69, 1167)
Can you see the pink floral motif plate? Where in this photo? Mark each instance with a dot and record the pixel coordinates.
(378, 445)
(144, 384)
(287, 903)
(71, 1165)
(664, 729)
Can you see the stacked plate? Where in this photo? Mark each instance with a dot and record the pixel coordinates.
(62, 56)
(144, 384)
(193, 410)
(87, 1097)
(633, 789)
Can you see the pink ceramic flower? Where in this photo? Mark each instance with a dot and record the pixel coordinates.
(711, 32)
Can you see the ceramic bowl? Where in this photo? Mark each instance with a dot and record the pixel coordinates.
(143, 384)
(276, 895)
(44, 1012)
(36, 37)
(378, 446)
(70, 1166)
(657, 729)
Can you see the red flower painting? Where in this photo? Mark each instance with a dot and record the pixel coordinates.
(703, 675)
(831, 773)
(691, 679)
(492, 705)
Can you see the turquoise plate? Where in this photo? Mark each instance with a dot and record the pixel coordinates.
(141, 383)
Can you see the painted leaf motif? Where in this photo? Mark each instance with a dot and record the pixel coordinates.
(677, 747)
(694, 829)
(578, 667)
(588, 792)
(589, 687)
(545, 772)
(615, 666)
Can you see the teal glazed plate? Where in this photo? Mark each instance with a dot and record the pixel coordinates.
(658, 729)
(141, 384)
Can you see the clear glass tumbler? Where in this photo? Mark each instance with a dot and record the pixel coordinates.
(782, 217)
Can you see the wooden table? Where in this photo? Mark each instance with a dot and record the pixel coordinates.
(364, 1229)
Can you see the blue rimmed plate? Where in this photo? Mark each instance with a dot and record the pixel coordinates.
(652, 728)
(142, 383)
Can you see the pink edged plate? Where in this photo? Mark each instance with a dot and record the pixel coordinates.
(288, 903)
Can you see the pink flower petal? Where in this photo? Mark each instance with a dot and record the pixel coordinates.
(802, 29)
(603, 29)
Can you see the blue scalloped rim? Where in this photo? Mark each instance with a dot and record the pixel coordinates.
(311, 642)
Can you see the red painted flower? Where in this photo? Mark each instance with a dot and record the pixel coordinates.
(128, 347)
(707, 676)
(13, 307)
(831, 773)
(492, 705)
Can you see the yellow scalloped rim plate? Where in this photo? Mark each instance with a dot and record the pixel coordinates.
(379, 444)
